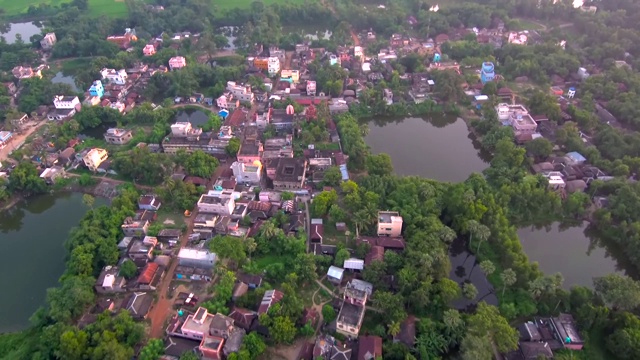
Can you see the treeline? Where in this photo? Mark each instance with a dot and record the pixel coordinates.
(53, 335)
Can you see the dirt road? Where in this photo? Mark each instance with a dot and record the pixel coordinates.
(163, 308)
(17, 139)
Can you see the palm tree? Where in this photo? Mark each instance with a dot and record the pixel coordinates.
(508, 278)
(482, 233)
(487, 267)
(447, 235)
(251, 245)
(394, 328)
(469, 291)
(454, 326)
(269, 230)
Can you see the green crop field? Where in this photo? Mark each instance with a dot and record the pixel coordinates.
(111, 8)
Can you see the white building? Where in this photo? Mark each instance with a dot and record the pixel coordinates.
(273, 66)
(216, 204)
(358, 52)
(247, 173)
(311, 88)
(48, 41)
(241, 92)
(518, 38)
(66, 102)
(196, 258)
(118, 77)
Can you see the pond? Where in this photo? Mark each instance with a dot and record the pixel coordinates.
(465, 269)
(567, 251)
(32, 234)
(439, 148)
(195, 117)
(25, 29)
(60, 78)
(96, 132)
(231, 33)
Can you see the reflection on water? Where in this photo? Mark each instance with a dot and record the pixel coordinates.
(195, 117)
(62, 79)
(465, 269)
(25, 29)
(438, 147)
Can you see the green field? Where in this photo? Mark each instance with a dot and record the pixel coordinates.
(111, 8)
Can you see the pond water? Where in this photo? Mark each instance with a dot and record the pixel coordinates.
(32, 234)
(230, 32)
(439, 148)
(63, 79)
(465, 269)
(195, 117)
(96, 132)
(567, 251)
(25, 29)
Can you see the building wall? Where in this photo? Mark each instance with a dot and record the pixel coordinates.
(94, 158)
(218, 208)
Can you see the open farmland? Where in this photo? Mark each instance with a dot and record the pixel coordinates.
(111, 8)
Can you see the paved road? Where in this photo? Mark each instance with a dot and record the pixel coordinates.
(163, 308)
(18, 139)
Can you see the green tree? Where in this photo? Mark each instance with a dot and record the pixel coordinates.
(487, 267)
(254, 344)
(233, 147)
(487, 321)
(198, 163)
(379, 164)
(128, 269)
(619, 292)
(508, 278)
(469, 291)
(540, 148)
(341, 256)
(25, 178)
(88, 200)
(332, 177)
(152, 351)
(73, 345)
(328, 313)
(322, 202)
(228, 247)
(449, 290)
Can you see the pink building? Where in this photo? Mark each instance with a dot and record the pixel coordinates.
(177, 62)
(518, 117)
(389, 223)
(149, 50)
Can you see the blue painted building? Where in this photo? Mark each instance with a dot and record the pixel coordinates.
(487, 73)
(96, 89)
(436, 58)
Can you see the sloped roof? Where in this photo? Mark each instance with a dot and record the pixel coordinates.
(148, 273)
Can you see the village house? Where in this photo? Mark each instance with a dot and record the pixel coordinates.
(352, 311)
(317, 231)
(196, 258)
(50, 175)
(66, 156)
(389, 223)
(247, 174)
(132, 227)
(227, 101)
(96, 90)
(150, 276)
(250, 152)
(141, 251)
(270, 297)
(124, 41)
(335, 275)
(516, 116)
(138, 304)
(149, 202)
(26, 72)
(118, 136)
(290, 174)
(241, 92)
(327, 347)
(215, 204)
(112, 76)
(48, 41)
(94, 158)
(369, 347)
(109, 281)
(211, 347)
(177, 62)
(149, 50)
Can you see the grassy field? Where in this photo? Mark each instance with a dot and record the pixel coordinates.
(111, 8)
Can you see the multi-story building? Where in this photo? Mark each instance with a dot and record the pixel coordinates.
(149, 50)
(94, 158)
(273, 66)
(48, 41)
(66, 102)
(389, 223)
(280, 147)
(97, 89)
(250, 152)
(117, 136)
(245, 173)
(358, 52)
(26, 72)
(113, 76)
(353, 308)
(518, 117)
(293, 75)
(216, 204)
(227, 101)
(177, 62)
(290, 174)
(241, 92)
(184, 137)
(311, 88)
(487, 73)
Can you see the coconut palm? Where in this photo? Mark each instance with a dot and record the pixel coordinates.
(269, 230)
(394, 328)
(447, 235)
(469, 291)
(251, 245)
(487, 267)
(508, 278)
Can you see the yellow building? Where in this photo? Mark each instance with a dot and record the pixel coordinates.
(94, 158)
(293, 74)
